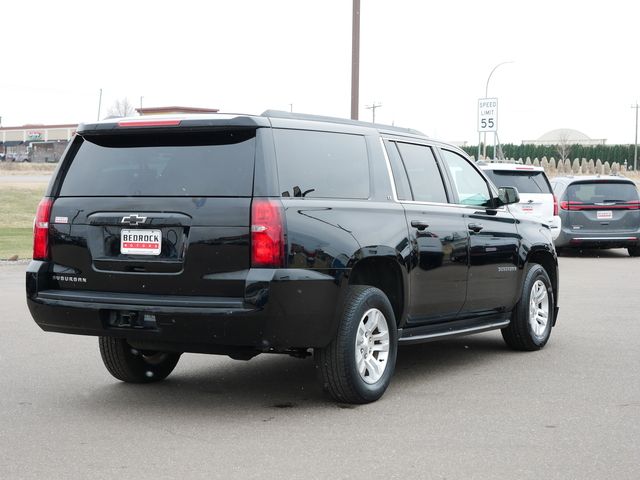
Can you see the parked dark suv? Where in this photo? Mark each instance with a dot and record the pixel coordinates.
(281, 233)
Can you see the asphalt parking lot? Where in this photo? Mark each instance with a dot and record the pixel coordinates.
(464, 408)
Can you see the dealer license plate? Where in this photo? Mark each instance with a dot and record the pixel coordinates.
(527, 208)
(604, 215)
(141, 242)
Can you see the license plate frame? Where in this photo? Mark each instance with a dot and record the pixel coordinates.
(140, 241)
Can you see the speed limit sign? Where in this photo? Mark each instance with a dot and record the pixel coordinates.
(488, 115)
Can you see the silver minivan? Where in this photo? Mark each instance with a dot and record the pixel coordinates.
(600, 211)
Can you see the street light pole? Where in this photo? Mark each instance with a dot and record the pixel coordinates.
(486, 95)
(635, 146)
(99, 104)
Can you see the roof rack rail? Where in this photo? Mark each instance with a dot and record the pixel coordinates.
(345, 121)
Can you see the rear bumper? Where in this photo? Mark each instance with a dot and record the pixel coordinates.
(282, 309)
(604, 239)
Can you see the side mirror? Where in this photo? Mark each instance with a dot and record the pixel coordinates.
(507, 196)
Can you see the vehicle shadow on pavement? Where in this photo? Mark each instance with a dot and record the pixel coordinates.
(446, 357)
(218, 384)
(213, 383)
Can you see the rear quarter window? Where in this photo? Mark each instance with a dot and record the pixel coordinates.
(321, 164)
(163, 164)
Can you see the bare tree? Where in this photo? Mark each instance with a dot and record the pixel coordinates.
(563, 147)
(122, 108)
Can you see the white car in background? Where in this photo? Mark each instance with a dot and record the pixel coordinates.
(536, 196)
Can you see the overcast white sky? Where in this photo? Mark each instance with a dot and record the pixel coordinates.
(575, 63)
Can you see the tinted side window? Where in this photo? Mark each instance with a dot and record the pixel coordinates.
(321, 164)
(423, 172)
(525, 182)
(167, 164)
(471, 187)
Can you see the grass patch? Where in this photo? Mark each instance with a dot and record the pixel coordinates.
(26, 168)
(18, 205)
(16, 241)
(17, 209)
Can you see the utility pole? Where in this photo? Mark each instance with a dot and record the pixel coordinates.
(373, 107)
(99, 104)
(635, 146)
(355, 60)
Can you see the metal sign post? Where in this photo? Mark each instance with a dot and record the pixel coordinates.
(488, 119)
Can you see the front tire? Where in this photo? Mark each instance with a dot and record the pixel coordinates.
(132, 365)
(634, 251)
(357, 366)
(532, 319)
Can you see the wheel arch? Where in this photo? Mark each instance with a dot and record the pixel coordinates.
(549, 261)
(386, 273)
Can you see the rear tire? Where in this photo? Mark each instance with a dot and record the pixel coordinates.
(532, 319)
(357, 366)
(634, 251)
(135, 366)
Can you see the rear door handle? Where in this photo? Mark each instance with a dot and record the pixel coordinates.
(475, 227)
(419, 225)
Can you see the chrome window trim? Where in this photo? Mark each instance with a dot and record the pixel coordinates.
(393, 180)
(415, 202)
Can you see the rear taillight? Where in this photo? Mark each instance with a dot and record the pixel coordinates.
(555, 206)
(579, 206)
(267, 233)
(571, 206)
(41, 230)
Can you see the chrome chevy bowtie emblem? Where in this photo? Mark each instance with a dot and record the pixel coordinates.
(133, 219)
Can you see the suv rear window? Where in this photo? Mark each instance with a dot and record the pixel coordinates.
(322, 164)
(597, 192)
(168, 164)
(524, 181)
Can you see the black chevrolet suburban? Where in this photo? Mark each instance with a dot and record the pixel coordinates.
(281, 233)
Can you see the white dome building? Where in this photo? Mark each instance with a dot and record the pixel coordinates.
(565, 136)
